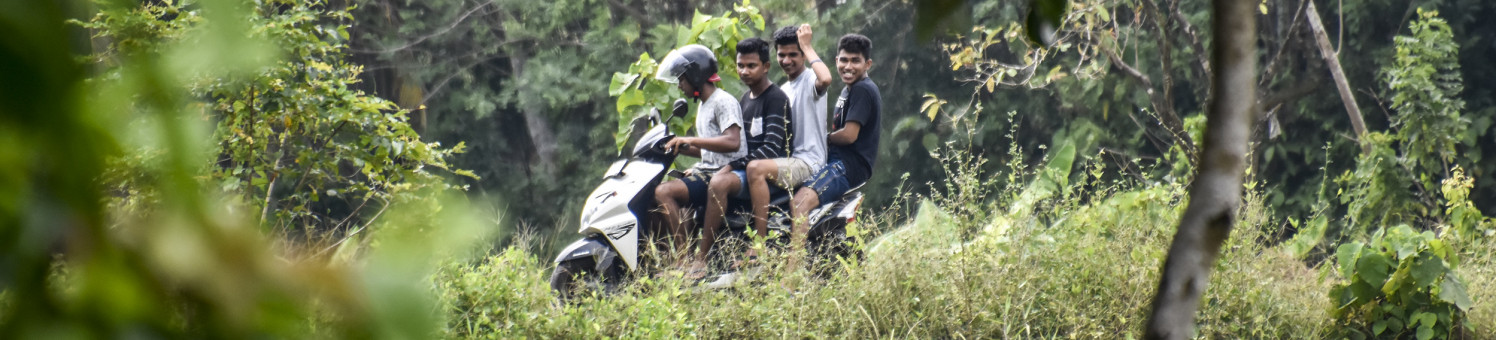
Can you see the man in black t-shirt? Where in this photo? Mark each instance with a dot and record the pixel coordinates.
(765, 110)
(853, 140)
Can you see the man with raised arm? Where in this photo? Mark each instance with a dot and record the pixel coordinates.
(808, 78)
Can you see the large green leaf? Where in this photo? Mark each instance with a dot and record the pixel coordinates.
(1344, 297)
(621, 82)
(1049, 182)
(1058, 169)
(629, 100)
(1398, 280)
(1307, 238)
(1452, 290)
(1364, 293)
(1426, 268)
(1346, 256)
(1373, 267)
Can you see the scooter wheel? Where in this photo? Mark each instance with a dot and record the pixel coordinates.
(578, 277)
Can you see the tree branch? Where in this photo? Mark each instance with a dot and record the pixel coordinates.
(449, 28)
(1202, 62)
(1170, 120)
(1332, 62)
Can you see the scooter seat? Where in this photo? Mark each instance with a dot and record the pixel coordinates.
(740, 212)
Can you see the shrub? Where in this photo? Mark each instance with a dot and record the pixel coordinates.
(1402, 283)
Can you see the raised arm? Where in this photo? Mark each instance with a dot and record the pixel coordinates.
(823, 72)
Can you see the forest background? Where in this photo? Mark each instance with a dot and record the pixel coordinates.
(512, 81)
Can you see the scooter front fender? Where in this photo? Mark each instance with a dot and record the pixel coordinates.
(594, 247)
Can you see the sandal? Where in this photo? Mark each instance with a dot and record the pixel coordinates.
(752, 260)
(697, 271)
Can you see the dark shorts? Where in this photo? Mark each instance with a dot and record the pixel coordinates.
(696, 185)
(830, 182)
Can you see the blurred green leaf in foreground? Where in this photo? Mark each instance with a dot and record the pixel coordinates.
(133, 199)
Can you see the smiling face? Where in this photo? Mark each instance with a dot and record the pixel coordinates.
(791, 60)
(751, 69)
(852, 66)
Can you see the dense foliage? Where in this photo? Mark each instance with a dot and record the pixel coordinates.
(133, 215)
(294, 142)
(1404, 284)
(638, 92)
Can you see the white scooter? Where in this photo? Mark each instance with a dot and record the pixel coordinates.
(616, 219)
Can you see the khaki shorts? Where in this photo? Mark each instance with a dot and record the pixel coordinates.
(792, 172)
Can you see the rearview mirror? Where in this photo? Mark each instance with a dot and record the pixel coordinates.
(680, 109)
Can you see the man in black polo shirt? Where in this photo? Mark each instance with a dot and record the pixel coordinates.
(854, 140)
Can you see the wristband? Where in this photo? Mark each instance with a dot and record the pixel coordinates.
(813, 61)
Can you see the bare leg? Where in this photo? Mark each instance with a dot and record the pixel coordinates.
(805, 200)
(760, 172)
(669, 195)
(723, 184)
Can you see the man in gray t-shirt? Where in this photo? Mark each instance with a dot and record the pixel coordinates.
(718, 141)
(806, 88)
(717, 113)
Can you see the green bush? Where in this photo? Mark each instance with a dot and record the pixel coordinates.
(1087, 271)
(1402, 283)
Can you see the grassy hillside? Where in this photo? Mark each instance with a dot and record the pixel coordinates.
(1054, 266)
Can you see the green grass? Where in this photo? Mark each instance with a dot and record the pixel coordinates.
(1479, 272)
(1041, 259)
(1088, 273)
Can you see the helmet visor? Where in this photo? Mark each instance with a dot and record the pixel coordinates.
(671, 67)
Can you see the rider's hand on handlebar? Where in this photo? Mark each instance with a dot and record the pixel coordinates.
(675, 145)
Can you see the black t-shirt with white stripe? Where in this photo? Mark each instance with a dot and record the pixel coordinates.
(765, 119)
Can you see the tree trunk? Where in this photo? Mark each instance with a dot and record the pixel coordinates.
(1216, 192)
(1332, 62)
(541, 136)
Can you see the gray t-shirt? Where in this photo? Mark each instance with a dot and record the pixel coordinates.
(715, 115)
(807, 119)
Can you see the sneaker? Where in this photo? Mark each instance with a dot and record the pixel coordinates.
(723, 281)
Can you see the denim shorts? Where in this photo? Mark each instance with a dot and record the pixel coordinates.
(742, 185)
(830, 182)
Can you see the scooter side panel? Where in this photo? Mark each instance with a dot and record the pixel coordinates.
(607, 212)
